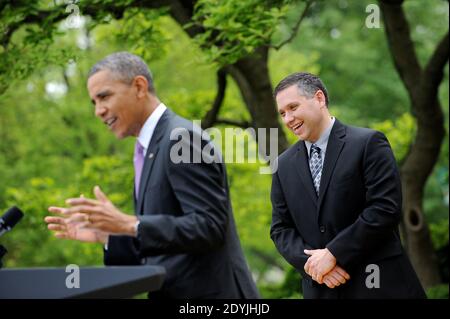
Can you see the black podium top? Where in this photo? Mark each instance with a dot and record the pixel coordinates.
(94, 282)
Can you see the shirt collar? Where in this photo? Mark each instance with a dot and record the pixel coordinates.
(146, 133)
(323, 139)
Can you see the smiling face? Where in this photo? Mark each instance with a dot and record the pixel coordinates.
(117, 104)
(306, 117)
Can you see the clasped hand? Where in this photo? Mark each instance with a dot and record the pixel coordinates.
(322, 267)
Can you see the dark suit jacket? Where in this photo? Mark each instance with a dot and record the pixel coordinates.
(186, 221)
(355, 216)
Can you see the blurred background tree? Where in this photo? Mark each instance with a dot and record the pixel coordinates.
(52, 147)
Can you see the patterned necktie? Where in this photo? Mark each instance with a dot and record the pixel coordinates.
(315, 165)
(138, 164)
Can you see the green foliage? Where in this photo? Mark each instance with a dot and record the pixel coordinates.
(27, 48)
(436, 205)
(191, 105)
(399, 132)
(52, 147)
(142, 32)
(439, 233)
(355, 62)
(290, 288)
(19, 61)
(234, 28)
(22, 244)
(113, 174)
(438, 292)
(248, 187)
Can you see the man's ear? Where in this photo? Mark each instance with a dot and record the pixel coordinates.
(320, 96)
(141, 84)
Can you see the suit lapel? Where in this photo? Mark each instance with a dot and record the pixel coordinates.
(334, 147)
(150, 156)
(300, 162)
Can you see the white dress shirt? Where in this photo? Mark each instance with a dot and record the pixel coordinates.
(146, 133)
(322, 142)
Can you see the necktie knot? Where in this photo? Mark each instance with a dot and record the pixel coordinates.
(138, 150)
(315, 149)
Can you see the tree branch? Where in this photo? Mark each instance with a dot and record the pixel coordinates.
(401, 45)
(182, 12)
(434, 70)
(59, 13)
(211, 116)
(296, 27)
(53, 16)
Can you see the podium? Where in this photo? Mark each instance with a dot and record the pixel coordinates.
(94, 282)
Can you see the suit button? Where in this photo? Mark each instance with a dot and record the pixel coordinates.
(322, 228)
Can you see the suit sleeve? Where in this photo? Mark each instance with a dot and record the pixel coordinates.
(283, 232)
(382, 211)
(122, 250)
(201, 192)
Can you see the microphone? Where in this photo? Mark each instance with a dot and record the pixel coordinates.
(10, 219)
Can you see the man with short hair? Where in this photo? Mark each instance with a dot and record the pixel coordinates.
(183, 218)
(336, 201)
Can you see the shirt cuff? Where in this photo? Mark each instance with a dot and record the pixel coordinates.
(106, 244)
(136, 228)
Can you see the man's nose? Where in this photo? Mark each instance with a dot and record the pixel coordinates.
(288, 117)
(100, 110)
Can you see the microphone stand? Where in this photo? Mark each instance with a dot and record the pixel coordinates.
(3, 252)
(7, 222)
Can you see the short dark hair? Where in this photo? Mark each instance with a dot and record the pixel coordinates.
(307, 83)
(125, 66)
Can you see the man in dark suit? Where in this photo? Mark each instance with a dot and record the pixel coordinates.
(336, 199)
(183, 218)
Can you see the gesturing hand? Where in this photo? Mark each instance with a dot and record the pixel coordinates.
(101, 214)
(74, 228)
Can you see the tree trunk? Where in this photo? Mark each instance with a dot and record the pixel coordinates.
(417, 237)
(422, 86)
(251, 74)
(252, 77)
(415, 171)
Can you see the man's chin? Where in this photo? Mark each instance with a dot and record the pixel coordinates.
(119, 135)
(301, 137)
